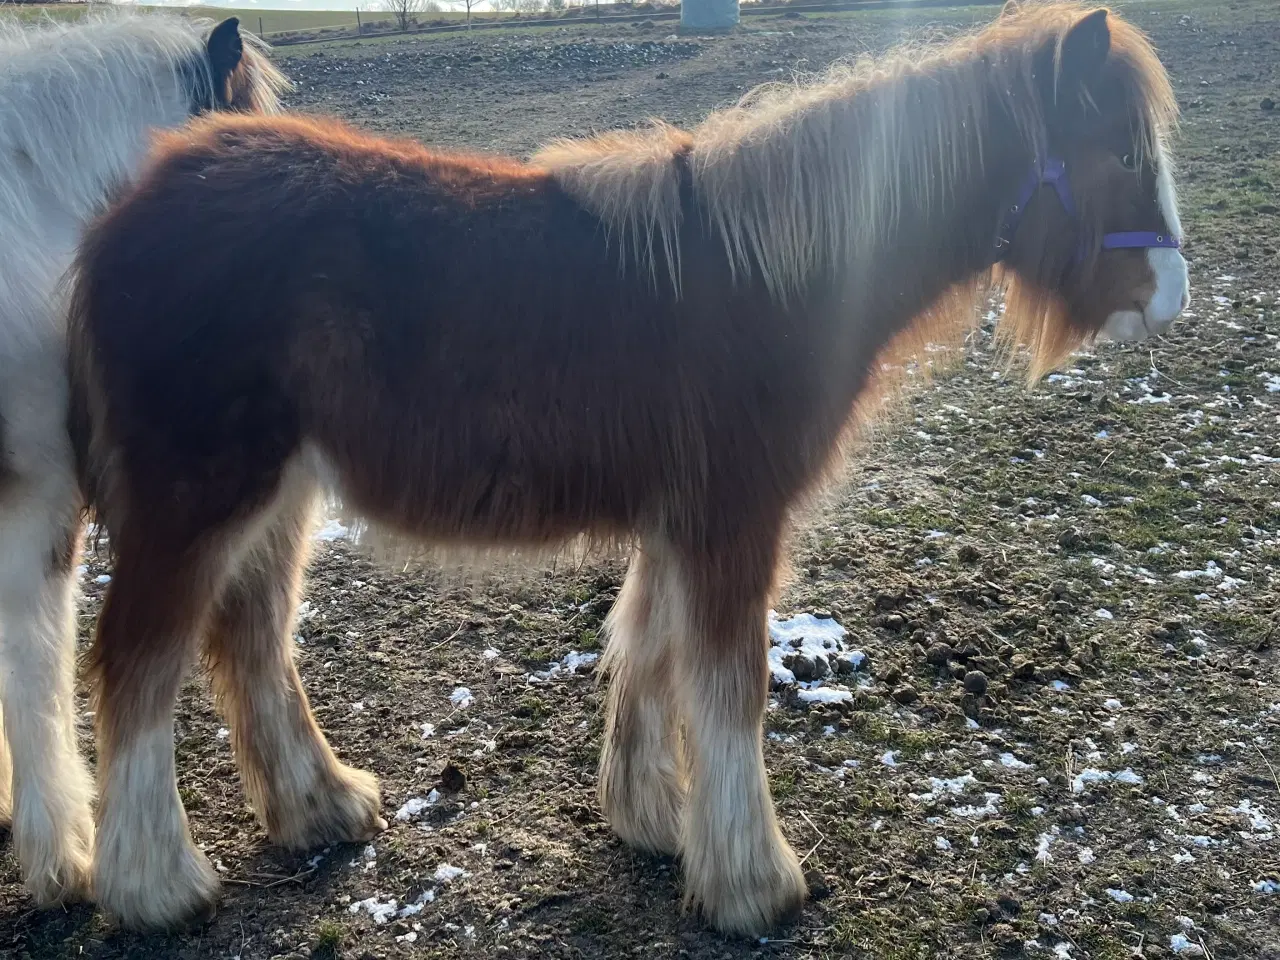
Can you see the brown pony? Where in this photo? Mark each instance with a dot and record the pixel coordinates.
(664, 340)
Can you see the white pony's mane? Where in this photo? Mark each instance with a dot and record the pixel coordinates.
(77, 100)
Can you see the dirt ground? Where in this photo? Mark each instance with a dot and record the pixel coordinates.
(1062, 741)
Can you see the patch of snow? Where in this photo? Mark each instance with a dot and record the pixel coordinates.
(819, 638)
(824, 694)
(1043, 843)
(415, 805)
(942, 843)
(380, 910)
(461, 697)
(1211, 571)
(412, 909)
(333, 529)
(889, 759)
(447, 873)
(1257, 819)
(1265, 886)
(1091, 775)
(939, 787)
(1102, 613)
(1013, 763)
(573, 661)
(1119, 896)
(1181, 945)
(989, 808)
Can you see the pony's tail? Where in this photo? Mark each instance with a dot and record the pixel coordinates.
(85, 411)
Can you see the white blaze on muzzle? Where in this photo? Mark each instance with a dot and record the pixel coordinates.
(1168, 267)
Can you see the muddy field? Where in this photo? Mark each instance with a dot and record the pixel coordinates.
(1062, 739)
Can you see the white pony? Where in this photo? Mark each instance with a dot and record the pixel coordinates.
(77, 105)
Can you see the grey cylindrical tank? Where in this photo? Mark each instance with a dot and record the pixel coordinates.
(708, 14)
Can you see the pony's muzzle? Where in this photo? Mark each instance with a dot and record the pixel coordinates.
(1171, 295)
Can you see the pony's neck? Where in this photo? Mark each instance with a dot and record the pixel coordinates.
(891, 185)
(934, 214)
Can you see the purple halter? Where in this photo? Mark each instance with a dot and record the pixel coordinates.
(1053, 173)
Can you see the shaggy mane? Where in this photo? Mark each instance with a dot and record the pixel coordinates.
(104, 70)
(798, 177)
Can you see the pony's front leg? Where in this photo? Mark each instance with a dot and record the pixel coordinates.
(48, 789)
(641, 779)
(147, 872)
(738, 867)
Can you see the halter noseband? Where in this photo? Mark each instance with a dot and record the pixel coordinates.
(1052, 172)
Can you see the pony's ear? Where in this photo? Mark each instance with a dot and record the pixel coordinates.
(1010, 8)
(225, 48)
(1084, 51)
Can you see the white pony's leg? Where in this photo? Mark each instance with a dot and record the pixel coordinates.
(6, 776)
(52, 823)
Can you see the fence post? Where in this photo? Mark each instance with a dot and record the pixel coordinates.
(261, 32)
(359, 25)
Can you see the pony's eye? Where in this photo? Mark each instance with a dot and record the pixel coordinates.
(1130, 161)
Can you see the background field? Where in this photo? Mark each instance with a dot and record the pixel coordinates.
(1103, 548)
(256, 19)
(289, 25)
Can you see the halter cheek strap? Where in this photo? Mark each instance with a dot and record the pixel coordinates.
(1052, 172)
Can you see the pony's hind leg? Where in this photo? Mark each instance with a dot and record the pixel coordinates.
(641, 779)
(147, 872)
(737, 865)
(48, 788)
(302, 794)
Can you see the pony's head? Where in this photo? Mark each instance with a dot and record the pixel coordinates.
(235, 73)
(1089, 241)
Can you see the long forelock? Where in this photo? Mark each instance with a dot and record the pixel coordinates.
(258, 84)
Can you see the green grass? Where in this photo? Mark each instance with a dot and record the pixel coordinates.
(328, 940)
